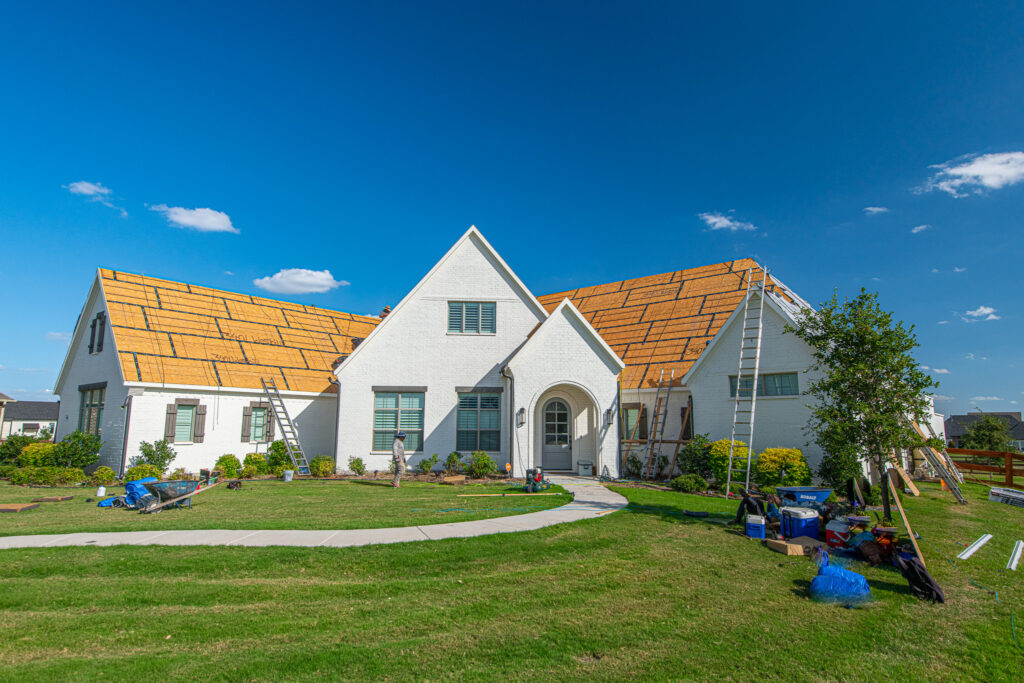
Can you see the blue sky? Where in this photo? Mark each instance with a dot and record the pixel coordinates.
(222, 144)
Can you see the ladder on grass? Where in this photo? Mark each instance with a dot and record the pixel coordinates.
(745, 402)
(657, 433)
(289, 434)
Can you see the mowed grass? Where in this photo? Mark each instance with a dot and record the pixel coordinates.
(645, 593)
(272, 504)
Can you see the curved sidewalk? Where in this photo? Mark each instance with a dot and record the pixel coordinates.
(591, 500)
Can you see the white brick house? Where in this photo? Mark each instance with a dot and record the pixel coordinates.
(470, 360)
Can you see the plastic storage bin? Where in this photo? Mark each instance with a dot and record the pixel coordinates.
(755, 526)
(798, 522)
(584, 469)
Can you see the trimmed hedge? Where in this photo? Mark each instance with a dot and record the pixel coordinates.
(689, 483)
(142, 471)
(48, 476)
(321, 466)
(774, 461)
(719, 459)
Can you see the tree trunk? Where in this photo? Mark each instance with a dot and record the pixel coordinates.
(886, 510)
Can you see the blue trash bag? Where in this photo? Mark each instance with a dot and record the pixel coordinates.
(860, 538)
(838, 585)
(134, 490)
(107, 502)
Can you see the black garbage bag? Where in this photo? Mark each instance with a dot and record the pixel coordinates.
(748, 506)
(921, 582)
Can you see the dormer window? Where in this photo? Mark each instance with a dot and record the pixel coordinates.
(97, 331)
(471, 317)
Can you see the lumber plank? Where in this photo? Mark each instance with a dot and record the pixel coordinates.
(503, 495)
(17, 507)
(454, 479)
(906, 522)
(906, 480)
(856, 492)
(52, 499)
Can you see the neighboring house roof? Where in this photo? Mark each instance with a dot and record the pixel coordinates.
(957, 425)
(44, 411)
(667, 321)
(4, 398)
(173, 333)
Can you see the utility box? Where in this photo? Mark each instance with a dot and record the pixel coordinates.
(585, 469)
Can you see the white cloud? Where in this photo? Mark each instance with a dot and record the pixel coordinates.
(299, 281)
(58, 336)
(34, 371)
(96, 192)
(925, 367)
(959, 269)
(940, 371)
(228, 272)
(971, 356)
(935, 270)
(981, 313)
(720, 221)
(876, 279)
(977, 173)
(986, 398)
(203, 220)
(875, 210)
(943, 322)
(919, 228)
(941, 397)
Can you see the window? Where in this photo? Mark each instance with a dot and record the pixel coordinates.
(257, 423)
(186, 421)
(782, 384)
(30, 428)
(90, 411)
(468, 317)
(183, 423)
(395, 411)
(478, 423)
(631, 412)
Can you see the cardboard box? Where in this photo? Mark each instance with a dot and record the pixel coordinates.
(802, 545)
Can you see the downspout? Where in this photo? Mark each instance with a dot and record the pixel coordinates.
(618, 420)
(507, 374)
(127, 405)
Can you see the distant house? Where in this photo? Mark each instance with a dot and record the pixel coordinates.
(4, 400)
(29, 418)
(957, 426)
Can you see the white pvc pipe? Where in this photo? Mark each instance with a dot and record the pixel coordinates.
(973, 548)
(1018, 549)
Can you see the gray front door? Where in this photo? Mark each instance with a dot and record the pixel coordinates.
(556, 452)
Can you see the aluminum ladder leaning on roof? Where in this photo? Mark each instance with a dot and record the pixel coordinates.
(749, 366)
(650, 466)
(289, 434)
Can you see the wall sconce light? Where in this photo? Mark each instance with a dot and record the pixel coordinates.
(609, 417)
(520, 417)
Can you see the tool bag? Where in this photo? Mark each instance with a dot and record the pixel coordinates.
(921, 582)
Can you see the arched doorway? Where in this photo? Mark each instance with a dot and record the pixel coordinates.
(556, 441)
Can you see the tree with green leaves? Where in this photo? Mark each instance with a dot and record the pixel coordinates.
(988, 433)
(871, 386)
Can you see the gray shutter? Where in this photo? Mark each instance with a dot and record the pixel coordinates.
(92, 335)
(199, 426)
(268, 423)
(172, 417)
(102, 321)
(246, 424)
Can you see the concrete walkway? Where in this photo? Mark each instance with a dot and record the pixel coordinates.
(591, 500)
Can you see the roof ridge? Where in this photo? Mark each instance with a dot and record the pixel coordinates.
(654, 275)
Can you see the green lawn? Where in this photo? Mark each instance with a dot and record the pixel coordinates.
(644, 593)
(272, 504)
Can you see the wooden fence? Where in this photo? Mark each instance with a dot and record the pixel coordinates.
(1006, 465)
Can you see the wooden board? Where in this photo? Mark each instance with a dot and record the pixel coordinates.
(454, 479)
(17, 507)
(856, 492)
(906, 480)
(52, 499)
(906, 523)
(504, 495)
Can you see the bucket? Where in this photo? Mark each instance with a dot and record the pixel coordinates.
(798, 522)
(755, 526)
(101, 491)
(288, 474)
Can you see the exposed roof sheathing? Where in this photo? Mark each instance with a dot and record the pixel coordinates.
(664, 322)
(173, 333)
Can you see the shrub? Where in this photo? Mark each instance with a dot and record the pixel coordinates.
(179, 473)
(453, 463)
(48, 476)
(277, 456)
(159, 454)
(321, 466)
(142, 471)
(103, 476)
(38, 454)
(77, 449)
(357, 466)
(633, 464)
(689, 483)
(11, 448)
(426, 465)
(480, 465)
(228, 466)
(21, 476)
(258, 461)
(778, 466)
(695, 457)
(250, 472)
(278, 471)
(719, 459)
(5, 470)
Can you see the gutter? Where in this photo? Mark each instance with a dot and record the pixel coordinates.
(507, 374)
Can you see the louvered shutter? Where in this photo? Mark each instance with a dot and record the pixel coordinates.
(454, 316)
(101, 320)
(487, 323)
(199, 428)
(268, 422)
(169, 423)
(92, 335)
(246, 424)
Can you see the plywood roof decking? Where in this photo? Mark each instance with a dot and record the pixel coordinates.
(663, 322)
(174, 333)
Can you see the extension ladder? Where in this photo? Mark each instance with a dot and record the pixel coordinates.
(749, 365)
(289, 434)
(657, 434)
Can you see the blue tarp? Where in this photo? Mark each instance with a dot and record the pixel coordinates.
(133, 491)
(835, 584)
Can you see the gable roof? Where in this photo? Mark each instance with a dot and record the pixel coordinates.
(666, 321)
(6, 399)
(957, 425)
(588, 329)
(169, 332)
(32, 410)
